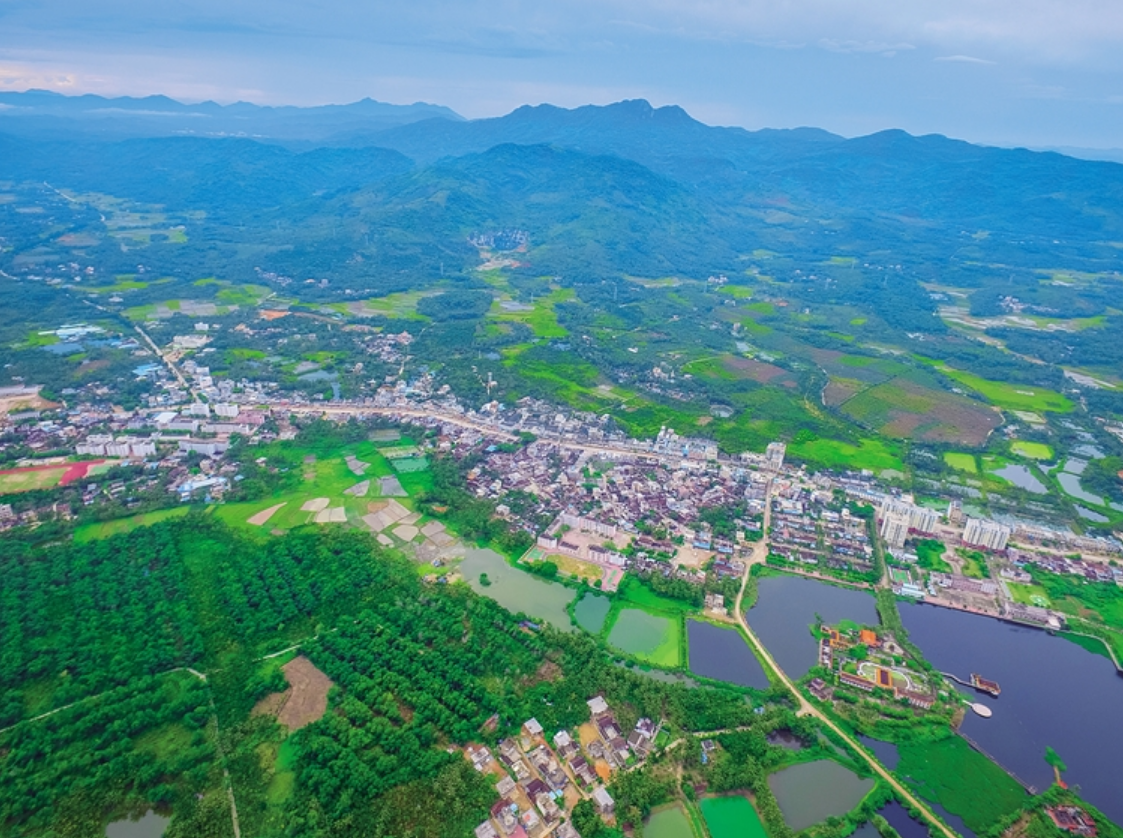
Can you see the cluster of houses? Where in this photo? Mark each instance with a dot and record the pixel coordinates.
(1072, 819)
(811, 527)
(539, 785)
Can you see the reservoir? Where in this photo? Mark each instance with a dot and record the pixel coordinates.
(785, 610)
(516, 590)
(1054, 694)
(724, 655)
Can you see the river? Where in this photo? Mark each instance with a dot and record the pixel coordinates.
(785, 610)
(1054, 693)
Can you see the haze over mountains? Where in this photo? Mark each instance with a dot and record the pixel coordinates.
(600, 190)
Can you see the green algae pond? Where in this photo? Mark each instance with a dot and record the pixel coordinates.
(647, 636)
(731, 816)
(668, 821)
(516, 590)
(811, 792)
(591, 611)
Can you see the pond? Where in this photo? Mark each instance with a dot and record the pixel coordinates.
(516, 590)
(814, 791)
(150, 826)
(591, 611)
(667, 822)
(785, 610)
(724, 655)
(647, 636)
(899, 818)
(1023, 478)
(732, 816)
(886, 752)
(1054, 693)
(784, 738)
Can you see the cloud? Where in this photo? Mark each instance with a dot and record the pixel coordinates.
(964, 59)
(876, 47)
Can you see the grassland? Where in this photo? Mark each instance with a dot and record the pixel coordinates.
(906, 409)
(105, 529)
(30, 480)
(541, 317)
(962, 462)
(1011, 396)
(873, 454)
(1032, 450)
(961, 780)
(1029, 594)
(403, 304)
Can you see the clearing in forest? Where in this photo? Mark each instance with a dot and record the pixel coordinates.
(307, 695)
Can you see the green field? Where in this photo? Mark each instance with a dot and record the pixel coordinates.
(26, 481)
(1033, 450)
(105, 529)
(962, 462)
(1011, 396)
(873, 454)
(648, 637)
(961, 780)
(542, 318)
(1029, 594)
(930, 555)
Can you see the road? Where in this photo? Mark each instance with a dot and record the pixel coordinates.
(806, 708)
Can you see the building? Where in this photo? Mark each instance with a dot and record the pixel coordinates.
(894, 530)
(604, 802)
(774, 455)
(955, 512)
(1072, 819)
(986, 534)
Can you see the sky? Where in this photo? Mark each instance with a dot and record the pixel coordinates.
(1037, 73)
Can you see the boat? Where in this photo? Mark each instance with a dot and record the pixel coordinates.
(981, 683)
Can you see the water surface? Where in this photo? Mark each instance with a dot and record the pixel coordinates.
(516, 590)
(814, 791)
(590, 612)
(732, 816)
(785, 611)
(724, 655)
(1022, 477)
(668, 822)
(1054, 693)
(149, 826)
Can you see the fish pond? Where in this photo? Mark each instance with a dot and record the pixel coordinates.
(668, 822)
(785, 610)
(811, 792)
(149, 826)
(722, 654)
(647, 636)
(591, 611)
(731, 816)
(516, 590)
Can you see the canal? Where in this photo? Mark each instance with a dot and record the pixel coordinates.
(1054, 694)
(785, 610)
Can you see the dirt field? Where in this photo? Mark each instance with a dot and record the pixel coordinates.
(306, 699)
(262, 517)
(759, 371)
(909, 410)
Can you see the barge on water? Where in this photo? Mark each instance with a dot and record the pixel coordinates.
(981, 683)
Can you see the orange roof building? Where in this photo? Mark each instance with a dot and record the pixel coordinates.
(867, 637)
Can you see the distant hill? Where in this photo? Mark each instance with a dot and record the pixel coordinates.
(42, 113)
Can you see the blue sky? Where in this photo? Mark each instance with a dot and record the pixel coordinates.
(1007, 72)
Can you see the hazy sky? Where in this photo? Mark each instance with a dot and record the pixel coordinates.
(1032, 72)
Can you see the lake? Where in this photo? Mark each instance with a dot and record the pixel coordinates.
(150, 826)
(667, 822)
(732, 816)
(814, 791)
(724, 655)
(591, 611)
(1054, 693)
(785, 610)
(516, 590)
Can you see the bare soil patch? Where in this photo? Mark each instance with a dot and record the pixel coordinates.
(758, 371)
(262, 517)
(307, 694)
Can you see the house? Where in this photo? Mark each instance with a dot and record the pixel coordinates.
(505, 786)
(604, 802)
(566, 830)
(564, 744)
(868, 638)
(619, 746)
(639, 744)
(532, 727)
(479, 756)
(486, 830)
(856, 681)
(1072, 819)
(597, 705)
(819, 689)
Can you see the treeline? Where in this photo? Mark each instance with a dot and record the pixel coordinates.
(472, 517)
